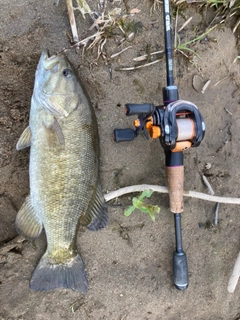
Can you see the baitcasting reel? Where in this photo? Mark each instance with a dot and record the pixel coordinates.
(179, 125)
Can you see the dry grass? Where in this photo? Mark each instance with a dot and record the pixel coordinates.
(224, 12)
(114, 24)
(224, 9)
(107, 24)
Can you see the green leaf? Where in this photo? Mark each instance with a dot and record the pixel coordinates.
(137, 203)
(145, 193)
(128, 211)
(83, 7)
(152, 215)
(147, 208)
(140, 205)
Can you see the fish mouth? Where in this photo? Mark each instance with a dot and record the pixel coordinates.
(48, 62)
(45, 95)
(45, 55)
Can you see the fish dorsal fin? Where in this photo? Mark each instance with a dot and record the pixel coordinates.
(53, 132)
(24, 140)
(27, 223)
(96, 216)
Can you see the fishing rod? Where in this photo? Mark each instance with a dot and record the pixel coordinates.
(178, 125)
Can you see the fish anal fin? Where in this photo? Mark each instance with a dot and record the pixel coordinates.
(96, 216)
(27, 222)
(24, 140)
(49, 275)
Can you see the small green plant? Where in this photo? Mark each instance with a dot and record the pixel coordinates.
(184, 46)
(217, 3)
(140, 205)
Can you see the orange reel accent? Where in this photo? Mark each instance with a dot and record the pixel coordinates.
(155, 132)
(149, 123)
(181, 146)
(136, 123)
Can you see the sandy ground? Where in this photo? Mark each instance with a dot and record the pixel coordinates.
(129, 262)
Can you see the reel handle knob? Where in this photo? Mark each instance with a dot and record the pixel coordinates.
(120, 135)
(131, 109)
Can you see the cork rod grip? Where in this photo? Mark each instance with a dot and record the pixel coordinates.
(175, 179)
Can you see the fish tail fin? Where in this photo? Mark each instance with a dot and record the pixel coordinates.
(49, 275)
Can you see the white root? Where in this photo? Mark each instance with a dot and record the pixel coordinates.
(235, 275)
(192, 194)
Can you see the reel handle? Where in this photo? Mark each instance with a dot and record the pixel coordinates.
(131, 109)
(120, 135)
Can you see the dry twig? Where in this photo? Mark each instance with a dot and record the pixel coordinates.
(72, 20)
(137, 67)
(207, 184)
(216, 214)
(205, 86)
(118, 53)
(11, 245)
(146, 56)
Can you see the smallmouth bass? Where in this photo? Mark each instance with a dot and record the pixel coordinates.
(65, 188)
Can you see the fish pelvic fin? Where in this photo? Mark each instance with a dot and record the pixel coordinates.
(24, 140)
(96, 216)
(27, 222)
(49, 275)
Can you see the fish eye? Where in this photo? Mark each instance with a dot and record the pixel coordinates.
(67, 73)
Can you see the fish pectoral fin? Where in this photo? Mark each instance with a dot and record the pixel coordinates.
(56, 108)
(54, 133)
(27, 223)
(24, 140)
(96, 216)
